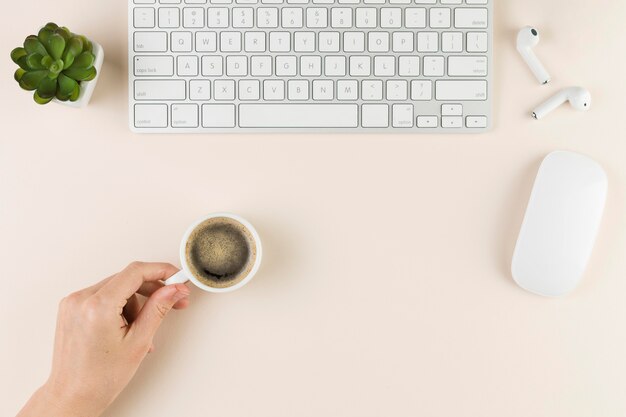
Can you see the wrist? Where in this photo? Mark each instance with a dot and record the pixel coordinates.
(63, 403)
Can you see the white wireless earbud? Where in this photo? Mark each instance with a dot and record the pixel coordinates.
(579, 98)
(527, 38)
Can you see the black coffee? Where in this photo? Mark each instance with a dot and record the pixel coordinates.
(220, 252)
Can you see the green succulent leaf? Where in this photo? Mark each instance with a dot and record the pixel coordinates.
(41, 100)
(87, 46)
(17, 53)
(56, 46)
(23, 63)
(30, 80)
(73, 49)
(19, 73)
(51, 26)
(56, 68)
(47, 61)
(75, 93)
(84, 60)
(44, 34)
(81, 74)
(33, 45)
(34, 61)
(47, 88)
(64, 32)
(66, 86)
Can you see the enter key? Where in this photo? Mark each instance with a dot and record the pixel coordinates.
(467, 66)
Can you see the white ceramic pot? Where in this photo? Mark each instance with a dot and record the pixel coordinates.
(87, 87)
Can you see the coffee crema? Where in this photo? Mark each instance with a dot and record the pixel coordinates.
(220, 252)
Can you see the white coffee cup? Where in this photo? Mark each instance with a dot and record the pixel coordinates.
(185, 274)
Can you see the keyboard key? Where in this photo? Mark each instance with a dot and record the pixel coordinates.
(224, 89)
(452, 110)
(439, 17)
(402, 115)
(206, 41)
(280, 41)
(335, 66)
(427, 42)
(409, 66)
(200, 90)
(341, 17)
(286, 66)
(150, 115)
(298, 115)
(212, 66)
(451, 121)
(150, 42)
(477, 41)
(218, 115)
(384, 66)
(310, 66)
(187, 65)
(243, 17)
(433, 66)
(391, 17)
(274, 90)
(360, 66)
(323, 90)
(169, 17)
(397, 90)
(267, 17)
(254, 42)
(230, 41)
(304, 41)
(236, 66)
(261, 66)
(193, 17)
(184, 115)
(427, 121)
(470, 18)
(347, 90)
(467, 66)
(375, 115)
(461, 90)
(415, 17)
(181, 42)
(160, 89)
(249, 89)
(217, 17)
(143, 17)
(403, 42)
(329, 42)
(421, 90)
(155, 66)
(298, 90)
(476, 121)
(366, 17)
(372, 90)
(452, 42)
(292, 17)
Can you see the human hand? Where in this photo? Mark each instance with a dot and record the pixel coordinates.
(103, 334)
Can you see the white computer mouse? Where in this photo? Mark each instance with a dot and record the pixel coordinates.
(560, 225)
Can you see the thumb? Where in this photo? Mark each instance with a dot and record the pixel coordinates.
(156, 308)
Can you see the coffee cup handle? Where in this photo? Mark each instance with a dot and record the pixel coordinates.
(178, 278)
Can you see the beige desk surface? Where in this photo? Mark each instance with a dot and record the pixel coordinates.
(385, 290)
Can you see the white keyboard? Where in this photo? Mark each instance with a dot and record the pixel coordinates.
(409, 66)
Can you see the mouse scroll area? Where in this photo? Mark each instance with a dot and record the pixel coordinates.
(560, 225)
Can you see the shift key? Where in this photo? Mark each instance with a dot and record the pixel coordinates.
(160, 90)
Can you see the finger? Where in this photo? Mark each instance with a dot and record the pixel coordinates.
(155, 309)
(119, 288)
(131, 309)
(149, 288)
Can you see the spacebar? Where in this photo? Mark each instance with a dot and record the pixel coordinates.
(298, 115)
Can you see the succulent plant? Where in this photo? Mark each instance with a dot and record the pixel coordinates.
(54, 63)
